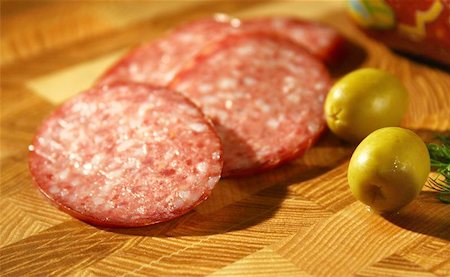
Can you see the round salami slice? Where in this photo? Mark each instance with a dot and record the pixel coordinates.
(264, 95)
(126, 155)
(157, 62)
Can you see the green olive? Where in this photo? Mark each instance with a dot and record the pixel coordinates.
(363, 101)
(389, 168)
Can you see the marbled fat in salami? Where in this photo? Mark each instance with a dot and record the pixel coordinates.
(126, 155)
(158, 61)
(264, 95)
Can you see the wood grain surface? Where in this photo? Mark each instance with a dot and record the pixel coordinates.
(297, 220)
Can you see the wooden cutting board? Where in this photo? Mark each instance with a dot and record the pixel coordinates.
(297, 220)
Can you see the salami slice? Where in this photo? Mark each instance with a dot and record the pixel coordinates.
(264, 95)
(320, 40)
(126, 155)
(157, 62)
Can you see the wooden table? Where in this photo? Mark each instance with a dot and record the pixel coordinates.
(297, 220)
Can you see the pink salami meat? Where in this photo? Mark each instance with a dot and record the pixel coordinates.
(320, 40)
(126, 155)
(159, 61)
(264, 95)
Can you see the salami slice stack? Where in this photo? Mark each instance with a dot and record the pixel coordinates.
(157, 62)
(215, 97)
(264, 95)
(126, 155)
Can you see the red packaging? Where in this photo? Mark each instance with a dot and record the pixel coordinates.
(420, 27)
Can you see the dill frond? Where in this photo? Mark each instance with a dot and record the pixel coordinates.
(440, 162)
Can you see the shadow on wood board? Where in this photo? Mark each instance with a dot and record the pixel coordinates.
(423, 61)
(353, 56)
(425, 215)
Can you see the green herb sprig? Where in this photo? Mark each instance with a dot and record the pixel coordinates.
(440, 161)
